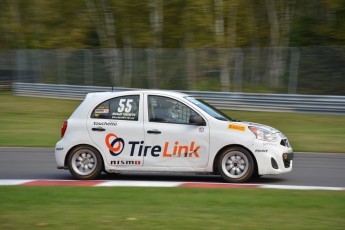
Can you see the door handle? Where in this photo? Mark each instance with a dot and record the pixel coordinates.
(100, 129)
(154, 131)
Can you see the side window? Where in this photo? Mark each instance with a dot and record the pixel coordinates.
(118, 108)
(101, 111)
(125, 108)
(168, 110)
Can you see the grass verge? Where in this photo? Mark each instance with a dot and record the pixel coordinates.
(28, 121)
(169, 208)
(306, 132)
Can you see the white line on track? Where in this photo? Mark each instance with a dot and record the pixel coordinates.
(14, 182)
(299, 187)
(139, 184)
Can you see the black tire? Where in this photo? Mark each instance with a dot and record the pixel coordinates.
(236, 165)
(256, 174)
(85, 163)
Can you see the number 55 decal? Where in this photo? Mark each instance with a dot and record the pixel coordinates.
(125, 106)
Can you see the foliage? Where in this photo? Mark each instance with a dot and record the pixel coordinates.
(265, 27)
(201, 23)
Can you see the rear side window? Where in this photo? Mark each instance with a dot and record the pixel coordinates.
(102, 110)
(118, 108)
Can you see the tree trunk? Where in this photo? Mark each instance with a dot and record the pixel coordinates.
(279, 15)
(273, 61)
(16, 17)
(222, 54)
(232, 36)
(128, 64)
(103, 20)
(156, 20)
(257, 61)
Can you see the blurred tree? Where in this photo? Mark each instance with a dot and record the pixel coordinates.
(12, 23)
(265, 26)
(171, 24)
(280, 15)
(319, 23)
(101, 16)
(197, 30)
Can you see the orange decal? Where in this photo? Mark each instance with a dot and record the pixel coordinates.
(237, 127)
(166, 146)
(107, 142)
(183, 149)
(194, 151)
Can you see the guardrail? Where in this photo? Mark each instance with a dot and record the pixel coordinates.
(221, 100)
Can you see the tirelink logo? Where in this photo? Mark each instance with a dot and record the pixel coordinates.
(117, 145)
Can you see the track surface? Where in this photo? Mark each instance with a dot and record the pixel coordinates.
(310, 169)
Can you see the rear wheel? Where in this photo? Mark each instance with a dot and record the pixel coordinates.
(85, 163)
(236, 165)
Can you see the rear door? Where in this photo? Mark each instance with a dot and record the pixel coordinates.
(116, 123)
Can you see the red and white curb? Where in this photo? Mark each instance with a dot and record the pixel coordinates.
(127, 183)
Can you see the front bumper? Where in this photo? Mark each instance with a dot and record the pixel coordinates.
(287, 159)
(273, 158)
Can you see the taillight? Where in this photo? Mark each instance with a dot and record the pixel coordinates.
(63, 128)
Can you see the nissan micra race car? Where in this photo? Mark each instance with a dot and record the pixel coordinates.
(166, 131)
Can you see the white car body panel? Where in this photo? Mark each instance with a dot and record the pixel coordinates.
(165, 151)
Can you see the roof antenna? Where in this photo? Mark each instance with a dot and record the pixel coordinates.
(112, 89)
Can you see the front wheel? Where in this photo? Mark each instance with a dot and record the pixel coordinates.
(85, 163)
(236, 165)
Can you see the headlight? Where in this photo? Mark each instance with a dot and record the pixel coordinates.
(262, 134)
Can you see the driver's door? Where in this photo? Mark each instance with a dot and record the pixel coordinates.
(177, 142)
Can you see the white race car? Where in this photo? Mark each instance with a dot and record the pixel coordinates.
(165, 131)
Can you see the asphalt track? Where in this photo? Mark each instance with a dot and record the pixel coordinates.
(309, 169)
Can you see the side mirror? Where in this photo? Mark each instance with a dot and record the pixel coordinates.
(196, 120)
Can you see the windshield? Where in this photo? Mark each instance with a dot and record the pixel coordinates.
(214, 112)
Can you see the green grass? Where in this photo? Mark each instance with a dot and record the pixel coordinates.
(306, 132)
(169, 208)
(28, 121)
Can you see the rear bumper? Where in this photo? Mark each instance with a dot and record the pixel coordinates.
(61, 151)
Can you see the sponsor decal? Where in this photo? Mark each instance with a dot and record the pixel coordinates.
(111, 123)
(201, 129)
(59, 149)
(156, 151)
(261, 151)
(126, 110)
(119, 142)
(270, 144)
(237, 127)
(102, 111)
(124, 116)
(138, 148)
(123, 162)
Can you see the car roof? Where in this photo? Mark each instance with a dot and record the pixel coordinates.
(126, 92)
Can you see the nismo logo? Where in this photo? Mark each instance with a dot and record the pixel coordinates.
(138, 148)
